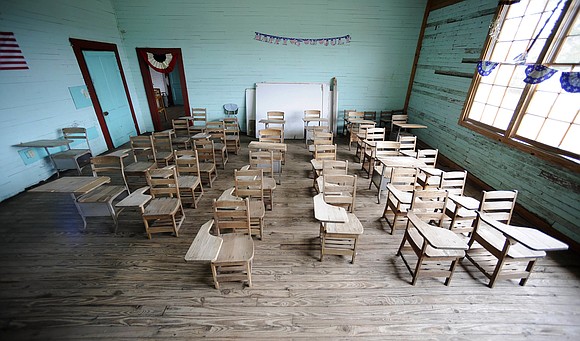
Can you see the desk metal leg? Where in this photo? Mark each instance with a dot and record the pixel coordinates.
(52, 161)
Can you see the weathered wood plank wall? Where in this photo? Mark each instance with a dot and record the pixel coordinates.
(453, 34)
(36, 103)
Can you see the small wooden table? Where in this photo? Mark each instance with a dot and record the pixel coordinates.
(46, 144)
(75, 186)
(339, 230)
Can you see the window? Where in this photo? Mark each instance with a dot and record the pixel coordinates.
(540, 118)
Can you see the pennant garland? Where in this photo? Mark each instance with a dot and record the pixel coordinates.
(535, 74)
(268, 38)
(11, 57)
(485, 67)
(570, 81)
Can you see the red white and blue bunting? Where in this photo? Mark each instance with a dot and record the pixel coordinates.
(535, 74)
(268, 38)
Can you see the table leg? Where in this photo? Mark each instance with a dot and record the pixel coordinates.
(52, 161)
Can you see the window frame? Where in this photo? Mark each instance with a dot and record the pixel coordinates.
(508, 136)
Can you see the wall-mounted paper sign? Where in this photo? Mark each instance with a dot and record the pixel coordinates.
(80, 96)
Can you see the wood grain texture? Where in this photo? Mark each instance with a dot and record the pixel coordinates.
(59, 282)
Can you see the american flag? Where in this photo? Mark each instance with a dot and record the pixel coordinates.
(11, 57)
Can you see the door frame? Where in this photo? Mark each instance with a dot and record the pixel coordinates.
(148, 83)
(80, 45)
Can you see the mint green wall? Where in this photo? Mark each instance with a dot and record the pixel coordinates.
(458, 32)
(222, 59)
(36, 103)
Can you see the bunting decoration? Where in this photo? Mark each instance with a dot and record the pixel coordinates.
(570, 81)
(538, 73)
(11, 57)
(268, 38)
(486, 67)
(535, 74)
(163, 63)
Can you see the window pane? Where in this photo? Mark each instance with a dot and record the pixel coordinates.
(541, 103)
(570, 142)
(482, 93)
(566, 108)
(512, 96)
(528, 27)
(488, 116)
(504, 75)
(509, 29)
(552, 132)
(500, 51)
(517, 80)
(530, 126)
(570, 51)
(503, 118)
(496, 95)
(476, 111)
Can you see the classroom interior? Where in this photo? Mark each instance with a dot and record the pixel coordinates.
(70, 276)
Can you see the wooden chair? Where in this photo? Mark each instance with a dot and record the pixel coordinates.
(499, 205)
(99, 202)
(232, 135)
(73, 158)
(216, 131)
(352, 115)
(356, 130)
(325, 152)
(198, 120)
(370, 115)
(273, 135)
(308, 129)
(339, 190)
(144, 160)
(206, 159)
(274, 116)
(321, 137)
(408, 144)
(371, 135)
(160, 104)
(431, 244)
(234, 259)
(264, 160)
(370, 163)
(339, 231)
(386, 118)
(429, 177)
(500, 250)
(346, 116)
(163, 148)
(330, 167)
(182, 131)
(399, 196)
(249, 184)
(188, 176)
(398, 118)
(164, 213)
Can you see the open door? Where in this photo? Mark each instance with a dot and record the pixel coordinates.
(169, 62)
(103, 74)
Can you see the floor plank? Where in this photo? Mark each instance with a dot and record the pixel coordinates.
(61, 282)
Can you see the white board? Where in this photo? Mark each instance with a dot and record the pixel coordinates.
(292, 99)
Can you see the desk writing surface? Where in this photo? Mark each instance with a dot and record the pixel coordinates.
(464, 201)
(410, 126)
(268, 145)
(272, 121)
(73, 184)
(401, 161)
(327, 213)
(205, 247)
(45, 143)
(529, 237)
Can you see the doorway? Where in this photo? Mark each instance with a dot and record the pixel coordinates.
(162, 68)
(103, 74)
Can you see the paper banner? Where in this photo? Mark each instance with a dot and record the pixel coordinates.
(537, 73)
(570, 81)
(268, 38)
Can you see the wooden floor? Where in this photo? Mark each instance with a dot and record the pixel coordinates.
(60, 282)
